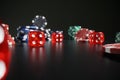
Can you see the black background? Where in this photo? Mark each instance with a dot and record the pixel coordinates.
(100, 15)
(71, 60)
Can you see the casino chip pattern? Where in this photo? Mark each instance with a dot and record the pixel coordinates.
(73, 30)
(82, 34)
(112, 48)
(117, 37)
(39, 21)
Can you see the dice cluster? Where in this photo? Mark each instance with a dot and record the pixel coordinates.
(37, 34)
(84, 34)
(5, 40)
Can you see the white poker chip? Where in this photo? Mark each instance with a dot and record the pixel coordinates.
(2, 69)
(39, 21)
(112, 48)
(2, 34)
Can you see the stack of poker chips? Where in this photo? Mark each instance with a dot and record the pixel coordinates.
(117, 37)
(73, 30)
(39, 24)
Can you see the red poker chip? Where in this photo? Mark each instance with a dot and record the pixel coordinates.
(83, 34)
(112, 48)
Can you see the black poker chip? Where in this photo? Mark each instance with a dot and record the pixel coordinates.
(39, 21)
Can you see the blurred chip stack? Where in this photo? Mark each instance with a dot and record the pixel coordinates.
(41, 22)
(73, 30)
(117, 37)
(83, 34)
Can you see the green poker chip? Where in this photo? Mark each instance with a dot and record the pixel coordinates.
(73, 30)
(117, 37)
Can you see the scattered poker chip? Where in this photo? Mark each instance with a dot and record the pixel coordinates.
(27, 28)
(73, 30)
(83, 34)
(39, 21)
(117, 37)
(112, 48)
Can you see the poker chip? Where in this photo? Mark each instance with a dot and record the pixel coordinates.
(112, 48)
(117, 37)
(83, 34)
(2, 34)
(27, 28)
(39, 21)
(73, 30)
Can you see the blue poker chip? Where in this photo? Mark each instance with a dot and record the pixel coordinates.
(27, 28)
(39, 21)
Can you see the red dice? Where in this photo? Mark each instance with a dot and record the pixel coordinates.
(3, 39)
(4, 63)
(57, 36)
(10, 40)
(36, 38)
(6, 28)
(96, 37)
(4, 54)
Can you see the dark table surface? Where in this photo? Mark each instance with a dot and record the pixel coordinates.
(63, 61)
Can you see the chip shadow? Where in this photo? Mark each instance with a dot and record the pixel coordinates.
(114, 57)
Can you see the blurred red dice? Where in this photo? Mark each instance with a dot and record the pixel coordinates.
(57, 36)
(10, 40)
(4, 54)
(3, 39)
(4, 63)
(96, 38)
(36, 38)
